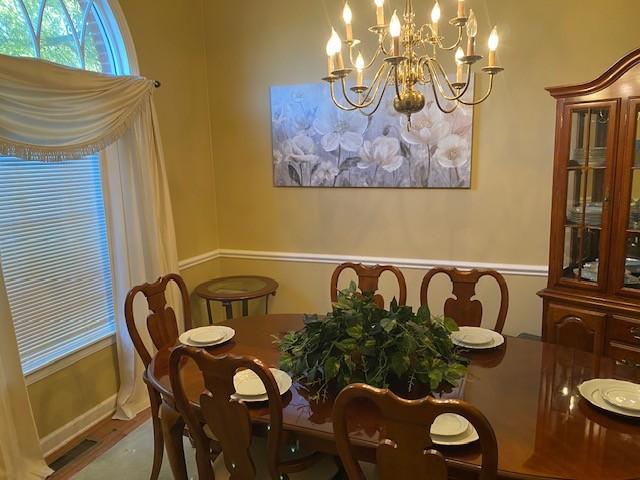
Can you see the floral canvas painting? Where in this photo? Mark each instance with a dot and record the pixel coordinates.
(315, 144)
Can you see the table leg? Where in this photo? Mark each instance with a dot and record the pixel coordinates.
(245, 308)
(173, 431)
(209, 313)
(229, 309)
(266, 305)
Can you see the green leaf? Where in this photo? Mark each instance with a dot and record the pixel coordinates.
(355, 331)
(394, 305)
(450, 324)
(435, 377)
(423, 315)
(346, 345)
(331, 368)
(309, 319)
(400, 364)
(388, 324)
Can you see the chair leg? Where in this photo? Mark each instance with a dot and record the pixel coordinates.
(173, 430)
(158, 439)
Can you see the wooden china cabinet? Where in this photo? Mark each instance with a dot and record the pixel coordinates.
(592, 301)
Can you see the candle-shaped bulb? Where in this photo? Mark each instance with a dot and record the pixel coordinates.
(494, 39)
(336, 43)
(347, 15)
(472, 25)
(394, 26)
(380, 12)
(330, 48)
(359, 70)
(395, 29)
(493, 46)
(435, 13)
(460, 8)
(459, 66)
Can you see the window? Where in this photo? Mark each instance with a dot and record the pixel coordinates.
(53, 237)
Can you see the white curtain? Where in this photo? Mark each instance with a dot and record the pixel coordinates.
(142, 239)
(50, 112)
(20, 454)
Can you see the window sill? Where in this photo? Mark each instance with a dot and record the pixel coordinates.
(67, 361)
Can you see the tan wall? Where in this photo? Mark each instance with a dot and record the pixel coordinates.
(503, 218)
(59, 398)
(169, 40)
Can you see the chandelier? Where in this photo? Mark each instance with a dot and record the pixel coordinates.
(409, 59)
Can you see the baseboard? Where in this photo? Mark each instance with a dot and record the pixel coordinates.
(65, 434)
(408, 263)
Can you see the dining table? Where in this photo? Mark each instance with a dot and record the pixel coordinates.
(528, 390)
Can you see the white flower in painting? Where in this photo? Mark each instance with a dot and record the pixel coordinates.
(325, 173)
(278, 157)
(428, 126)
(461, 120)
(340, 129)
(383, 152)
(300, 148)
(452, 152)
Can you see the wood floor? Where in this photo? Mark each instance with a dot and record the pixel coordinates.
(105, 435)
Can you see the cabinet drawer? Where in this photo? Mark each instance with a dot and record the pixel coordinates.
(624, 329)
(624, 355)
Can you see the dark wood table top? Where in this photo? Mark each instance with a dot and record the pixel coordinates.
(239, 287)
(527, 390)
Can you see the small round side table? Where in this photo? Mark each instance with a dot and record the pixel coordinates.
(240, 288)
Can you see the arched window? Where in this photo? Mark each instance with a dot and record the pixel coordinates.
(53, 235)
(77, 33)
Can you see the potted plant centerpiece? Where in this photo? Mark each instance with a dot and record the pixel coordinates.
(360, 342)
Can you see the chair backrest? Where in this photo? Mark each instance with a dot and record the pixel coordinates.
(405, 449)
(227, 418)
(161, 321)
(465, 310)
(368, 277)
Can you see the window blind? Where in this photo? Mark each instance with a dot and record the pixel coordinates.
(55, 257)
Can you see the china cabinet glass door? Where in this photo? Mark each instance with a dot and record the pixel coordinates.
(630, 273)
(586, 210)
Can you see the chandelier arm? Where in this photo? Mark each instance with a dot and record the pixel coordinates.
(366, 67)
(395, 69)
(439, 42)
(440, 107)
(335, 100)
(384, 89)
(364, 104)
(486, 95)
(382, 37)
(375, 83)
(456, 96)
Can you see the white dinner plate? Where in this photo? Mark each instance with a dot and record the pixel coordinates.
(625, 396)
(591, 390)
(476, 334)
(470, 435)
(246, 382)
(185, 338)
(449, 425)
(206, 335)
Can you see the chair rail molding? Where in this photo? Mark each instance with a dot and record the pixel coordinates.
(333, 258)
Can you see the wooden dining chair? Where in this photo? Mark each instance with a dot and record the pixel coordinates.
(229, 420)
(405, 449)
(462, 307)
(162, 326)
(368, 278)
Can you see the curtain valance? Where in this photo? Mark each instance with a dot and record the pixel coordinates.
(51, 112)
